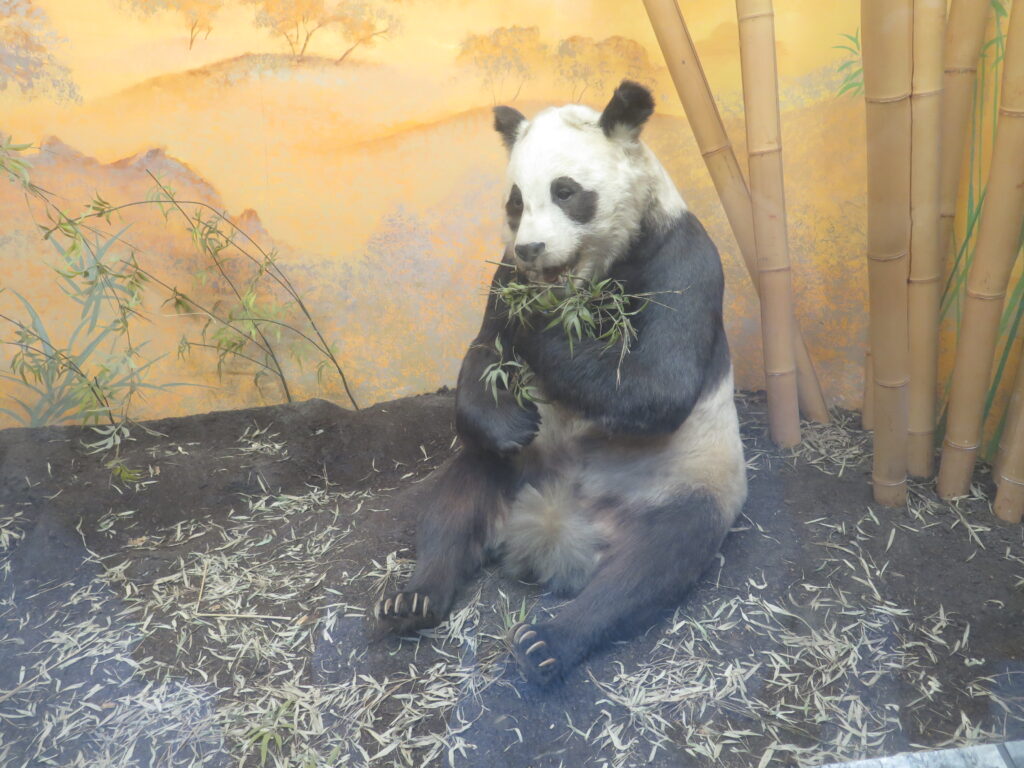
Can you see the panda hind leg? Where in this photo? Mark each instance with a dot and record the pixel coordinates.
(659, 555)
(453, 529)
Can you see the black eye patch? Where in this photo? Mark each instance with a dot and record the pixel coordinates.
(579, 204)
(514, 208)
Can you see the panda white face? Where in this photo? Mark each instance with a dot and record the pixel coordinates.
(580, 185)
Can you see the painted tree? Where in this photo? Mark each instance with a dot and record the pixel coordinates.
(515, 53)
(26, 37)
(359, 22)
(198, 14)
(584, 62)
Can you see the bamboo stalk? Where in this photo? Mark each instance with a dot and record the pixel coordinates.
(994, 255)
(965, 34)
(709, 131)
(887, 38)
(867, 413)
(1009, 468)
(1014, 413)
(924, 293)
(764, 158)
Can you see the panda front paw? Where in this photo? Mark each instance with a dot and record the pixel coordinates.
(535, 653)
(503, 428)
(407, 611)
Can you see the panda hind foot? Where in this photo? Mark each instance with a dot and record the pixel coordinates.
(406, 611)
(535, 654)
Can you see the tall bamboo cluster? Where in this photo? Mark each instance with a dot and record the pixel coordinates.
(709, 131)
(887, 45)
(994, 256)
(764, 161)
(919, 72)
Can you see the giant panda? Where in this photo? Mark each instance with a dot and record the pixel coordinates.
(616, 487)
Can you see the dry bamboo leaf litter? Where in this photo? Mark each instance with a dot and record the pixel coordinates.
(195, 645)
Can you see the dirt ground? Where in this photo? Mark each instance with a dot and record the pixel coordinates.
(215, 612)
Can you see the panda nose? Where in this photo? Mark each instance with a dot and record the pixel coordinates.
(529, 251)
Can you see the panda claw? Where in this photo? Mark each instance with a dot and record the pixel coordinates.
(534, 653)
(519, 630)
(539, 644)
(405, 612)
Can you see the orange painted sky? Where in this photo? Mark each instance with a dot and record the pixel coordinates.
(110, 47)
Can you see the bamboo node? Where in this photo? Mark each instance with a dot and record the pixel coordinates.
(888, 483)
(924, 280)
(920, 431)
(892, 384)
(1003, 478)
(1006, 112)
(715, 150)
(887, 99)
(960, 70)
(759, 152)
(946, 215)
(932, 92)
(965, 447)
(761, 15)
(787, 372)
(986, 296)
(890, 257)
(761, 270)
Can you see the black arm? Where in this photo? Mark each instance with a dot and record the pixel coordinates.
(680, 347)
(501, 427)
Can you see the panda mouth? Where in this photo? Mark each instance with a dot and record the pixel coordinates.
(556, 275)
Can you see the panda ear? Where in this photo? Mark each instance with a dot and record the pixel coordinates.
(507, 122)
(628, 110)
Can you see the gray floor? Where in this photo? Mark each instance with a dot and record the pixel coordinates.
(1009, 755)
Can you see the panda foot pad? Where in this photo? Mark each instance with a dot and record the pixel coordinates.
(534, 653)
(406, 612)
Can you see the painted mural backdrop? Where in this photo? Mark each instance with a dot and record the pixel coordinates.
(349, 147)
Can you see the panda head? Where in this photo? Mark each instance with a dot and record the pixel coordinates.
(581, 185)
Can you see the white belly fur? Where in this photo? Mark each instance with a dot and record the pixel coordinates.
(556, 529)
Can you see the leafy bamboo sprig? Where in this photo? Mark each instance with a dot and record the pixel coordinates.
(585, 309)
(599, 309)
(511, 374)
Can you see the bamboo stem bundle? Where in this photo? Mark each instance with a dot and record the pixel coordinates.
(709, 131)
(764, 151)
(887, 38)
(1009, 468)
(994, 256)
(965, 34)
(924, 293)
